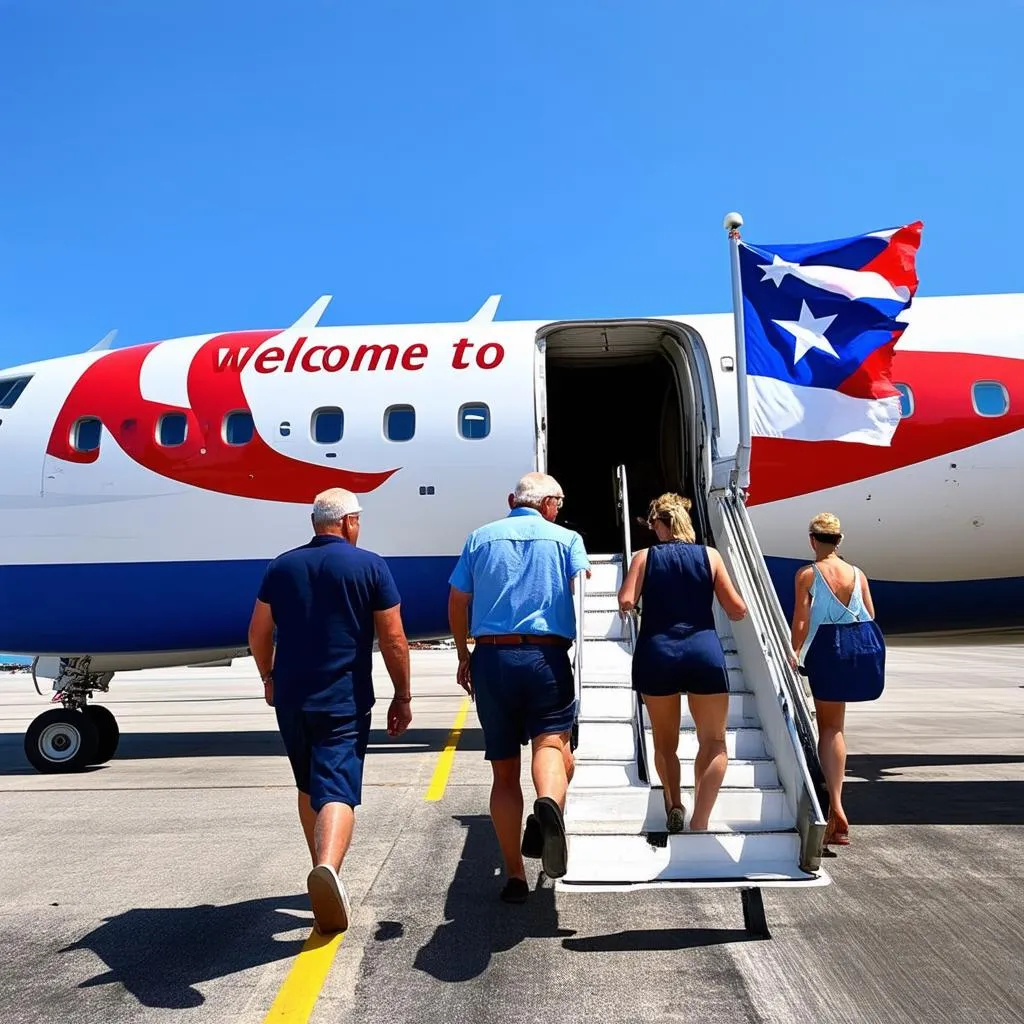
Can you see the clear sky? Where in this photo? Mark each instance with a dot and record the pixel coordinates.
(187, 166)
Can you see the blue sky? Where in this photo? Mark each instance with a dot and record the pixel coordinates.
(201, 165)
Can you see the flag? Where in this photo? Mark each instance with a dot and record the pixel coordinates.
(820, 326)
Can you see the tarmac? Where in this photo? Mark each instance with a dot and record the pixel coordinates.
(169, 884)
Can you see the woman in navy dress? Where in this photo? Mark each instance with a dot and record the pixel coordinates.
(678, 651)
(841, 649)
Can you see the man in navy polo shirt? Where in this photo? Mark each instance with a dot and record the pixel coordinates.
(326, 600)
(517, 575)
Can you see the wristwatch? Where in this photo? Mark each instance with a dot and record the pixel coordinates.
(268, 678)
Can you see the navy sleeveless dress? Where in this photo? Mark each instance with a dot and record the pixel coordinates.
(677, 649)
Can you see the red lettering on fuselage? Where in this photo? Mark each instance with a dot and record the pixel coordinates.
(109, 389)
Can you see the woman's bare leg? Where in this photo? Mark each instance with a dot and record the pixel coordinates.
(664, 714)
(832, 752)
(710, 712)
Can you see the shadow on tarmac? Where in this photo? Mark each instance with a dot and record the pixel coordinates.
(887, 799)
(160, 954)
(477, 924)
(659, 940)
(136, 746)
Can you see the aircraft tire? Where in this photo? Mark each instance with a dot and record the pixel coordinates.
(108, 733)
(61, 741)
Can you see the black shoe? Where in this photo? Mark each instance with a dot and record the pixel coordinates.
(533, 839)
(515, 891)
(554, 853)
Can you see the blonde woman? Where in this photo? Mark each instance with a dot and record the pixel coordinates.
(678, 651)
(840, 649)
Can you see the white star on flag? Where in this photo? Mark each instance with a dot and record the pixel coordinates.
(808, 333)
(777, 270)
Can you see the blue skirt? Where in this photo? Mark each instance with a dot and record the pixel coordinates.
(846, 662)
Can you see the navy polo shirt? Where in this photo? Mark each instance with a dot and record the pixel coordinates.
(322, 597)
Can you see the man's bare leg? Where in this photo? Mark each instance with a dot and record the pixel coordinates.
(333, 834)
(551, 780)
(507, 813)
(551, 759)
(331, 838)
(307, 816)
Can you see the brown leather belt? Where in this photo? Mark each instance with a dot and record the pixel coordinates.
(529, 639)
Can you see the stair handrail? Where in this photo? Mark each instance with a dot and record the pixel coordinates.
(811, 822)
(580, 594)
(795, 686)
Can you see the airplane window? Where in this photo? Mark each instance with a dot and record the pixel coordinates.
(238, 428)
(400, 423)
(990, 398)
(86, 435)
(286, 429)
(906, 400)
(172, 429)
(475, 421)
(328, 425)
(10, 391)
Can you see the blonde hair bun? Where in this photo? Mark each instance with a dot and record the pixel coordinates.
(674, 511)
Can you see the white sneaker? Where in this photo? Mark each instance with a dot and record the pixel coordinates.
(330, 901)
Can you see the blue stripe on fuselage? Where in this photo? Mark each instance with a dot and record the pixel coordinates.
(106, 608)
(925, 607)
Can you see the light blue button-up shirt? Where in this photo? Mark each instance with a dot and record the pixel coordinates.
(518, 570)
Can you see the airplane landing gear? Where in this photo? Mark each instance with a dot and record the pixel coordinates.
(71, 738)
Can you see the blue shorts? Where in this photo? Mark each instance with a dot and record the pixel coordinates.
(521, 692)
(326, 752)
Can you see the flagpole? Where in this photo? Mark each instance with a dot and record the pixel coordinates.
(733, 223)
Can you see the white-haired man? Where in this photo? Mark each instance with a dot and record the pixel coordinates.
(326, 600)
(516, 574)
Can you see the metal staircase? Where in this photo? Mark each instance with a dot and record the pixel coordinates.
(767, 824)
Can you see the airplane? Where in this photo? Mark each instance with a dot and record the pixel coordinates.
(144, 489)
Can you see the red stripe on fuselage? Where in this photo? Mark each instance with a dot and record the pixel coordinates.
(943, 421)
(109, 390)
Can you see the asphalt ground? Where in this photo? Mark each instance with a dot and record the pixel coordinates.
(169, 884)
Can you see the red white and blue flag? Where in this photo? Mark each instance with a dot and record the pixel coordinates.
(820, 325)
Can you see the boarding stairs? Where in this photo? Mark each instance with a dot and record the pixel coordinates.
(767, 825)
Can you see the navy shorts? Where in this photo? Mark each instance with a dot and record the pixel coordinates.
(521, 692)
(326, 751)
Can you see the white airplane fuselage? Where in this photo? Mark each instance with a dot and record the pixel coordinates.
(149, 545)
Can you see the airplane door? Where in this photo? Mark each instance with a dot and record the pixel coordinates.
(540, 403)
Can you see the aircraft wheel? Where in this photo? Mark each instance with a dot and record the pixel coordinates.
(61, 741)
(108, 733)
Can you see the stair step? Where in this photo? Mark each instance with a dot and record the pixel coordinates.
(603, 702)
(607, 661)
(605, 575)
(745, 742)
(604, 624)
(603, 602)
(604, 775)
(607, 741)
(750, 773)
(694, 856)
(631, 811)
(759, 773)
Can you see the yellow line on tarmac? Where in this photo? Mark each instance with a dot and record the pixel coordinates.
(301, 989)
(444, 762)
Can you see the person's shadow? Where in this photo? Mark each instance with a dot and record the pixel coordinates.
(161, 954)
(477, 924)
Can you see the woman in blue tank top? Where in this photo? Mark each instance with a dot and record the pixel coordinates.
(841, 650)
(678, 651)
